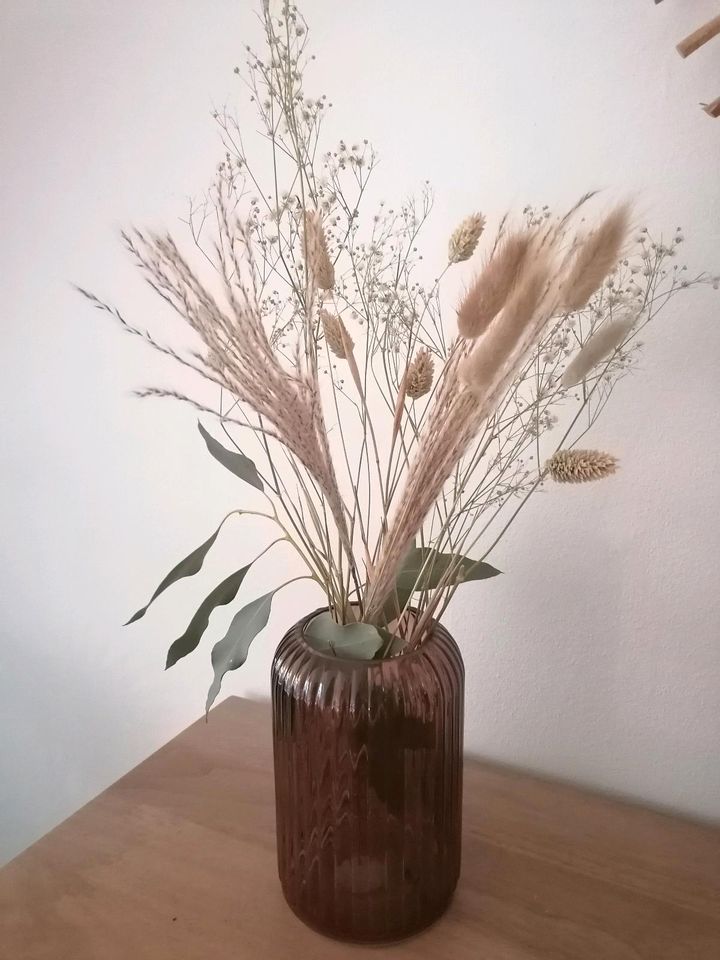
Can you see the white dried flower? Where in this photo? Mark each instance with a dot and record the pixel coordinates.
(606, 338)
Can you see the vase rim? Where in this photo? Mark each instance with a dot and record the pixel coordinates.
(435, 633)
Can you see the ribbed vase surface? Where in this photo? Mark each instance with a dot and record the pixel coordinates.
(368, 785)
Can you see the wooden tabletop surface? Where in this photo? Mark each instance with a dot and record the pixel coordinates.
(176, 861)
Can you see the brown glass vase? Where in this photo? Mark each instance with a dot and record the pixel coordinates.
(368, 785)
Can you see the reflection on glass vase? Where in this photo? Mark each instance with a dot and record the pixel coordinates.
(368, 784)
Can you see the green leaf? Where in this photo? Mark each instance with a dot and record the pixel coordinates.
(435, 566)
(221, 595)
(231, 652)
(393, 648)
(236, 463)
(396, 603)
(400, 597)
(186, 568)
(356, 641)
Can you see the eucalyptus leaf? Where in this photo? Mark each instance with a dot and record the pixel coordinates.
(396, 603)
(394, 645)
(356, 641)
(186, 568)
(400, 596)
(231, 652)
(236, 463)
(424, 568)
(223, 594)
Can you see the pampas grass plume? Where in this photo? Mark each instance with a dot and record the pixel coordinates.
(487, 296)
(596, 258)
(482, 367)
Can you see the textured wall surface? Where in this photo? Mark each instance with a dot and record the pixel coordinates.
(595, 657)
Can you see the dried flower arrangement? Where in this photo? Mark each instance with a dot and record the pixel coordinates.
(392, 452)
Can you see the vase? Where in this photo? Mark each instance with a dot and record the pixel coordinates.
(368, 785)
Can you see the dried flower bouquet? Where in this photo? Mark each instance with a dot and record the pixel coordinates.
(391, 447)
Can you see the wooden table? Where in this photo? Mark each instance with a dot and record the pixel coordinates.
(177, 861)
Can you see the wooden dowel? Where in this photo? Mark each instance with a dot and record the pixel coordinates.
(713, 109)
(691, 43)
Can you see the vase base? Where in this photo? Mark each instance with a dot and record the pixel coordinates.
(391, 937)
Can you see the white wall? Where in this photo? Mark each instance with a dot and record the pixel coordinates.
(595, 657)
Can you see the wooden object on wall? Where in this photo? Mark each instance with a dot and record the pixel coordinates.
(693, 42)
(176, 861)
(699, 37)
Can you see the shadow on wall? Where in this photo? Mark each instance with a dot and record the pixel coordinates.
(544, 659)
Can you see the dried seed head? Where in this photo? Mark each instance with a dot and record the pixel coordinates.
(580, 466)
(465, 238)
(338, 339)
(601, 344)
(485, 365)
(317, 258)
(595, 258)
(487, 296)
(420, 374)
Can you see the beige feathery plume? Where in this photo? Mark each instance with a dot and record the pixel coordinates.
(465, 238)
(399, 409)
(600, 345)
(481, 368)
(487, 296)
(456, 413)
(596, 258)
(580, 466)
(338, 339)
(249, 368)
(420, 374)
(317, 258)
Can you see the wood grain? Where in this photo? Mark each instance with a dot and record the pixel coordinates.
(699, 37)
(176, 861)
